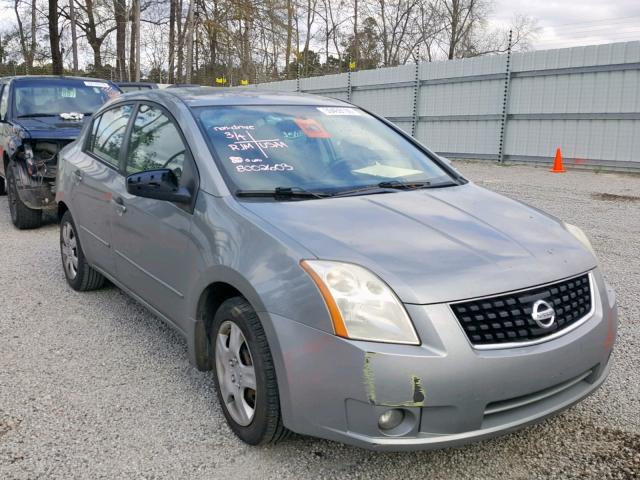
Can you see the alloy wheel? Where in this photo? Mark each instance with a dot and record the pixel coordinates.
(236, 373)
(69, 249)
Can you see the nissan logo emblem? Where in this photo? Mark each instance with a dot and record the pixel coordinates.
(543, 314)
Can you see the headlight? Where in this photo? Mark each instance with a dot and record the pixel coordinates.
(361, 305)
(17, 131)
(580, 235)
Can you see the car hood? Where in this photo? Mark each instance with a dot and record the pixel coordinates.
(52, 127)
(435, 245)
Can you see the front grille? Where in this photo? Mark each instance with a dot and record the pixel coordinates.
(507, 318)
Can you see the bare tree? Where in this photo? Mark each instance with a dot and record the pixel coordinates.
(54, 38)
(310, 16)
(173, 6)
(96, 26)
(134, 42)
(27, 44)
(120, 14)
(180, 44)
(243, 40)
(356, 44)
(523, 28)
(332, 26)
(397, 26)
(290, 17)
(189, 43)
(459, 19)
(74, 34)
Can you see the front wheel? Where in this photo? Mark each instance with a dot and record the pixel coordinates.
(22, 216)
(79, 274)
(245, 376)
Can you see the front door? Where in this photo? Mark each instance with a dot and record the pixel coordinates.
(96, 175)
(151, 238)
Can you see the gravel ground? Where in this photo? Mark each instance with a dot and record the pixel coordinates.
(94, 386)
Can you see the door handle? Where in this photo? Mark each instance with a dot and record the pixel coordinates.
(120, 206)
(77, 175)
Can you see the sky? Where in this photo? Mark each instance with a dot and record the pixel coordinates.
(566, 23)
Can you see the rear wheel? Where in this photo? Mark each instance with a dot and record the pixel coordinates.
(80, 275)
(245, 376)
(22, 216)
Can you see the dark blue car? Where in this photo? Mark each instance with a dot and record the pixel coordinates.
(38, 116)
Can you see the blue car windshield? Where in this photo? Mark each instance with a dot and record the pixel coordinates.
(51, 97)
(314, 148)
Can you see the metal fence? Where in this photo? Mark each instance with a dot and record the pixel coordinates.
(516, 108)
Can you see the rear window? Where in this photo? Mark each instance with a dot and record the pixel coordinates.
(33, 98)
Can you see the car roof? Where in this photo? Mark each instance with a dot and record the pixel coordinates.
(51, 77)
(221, 96)
(136, 84)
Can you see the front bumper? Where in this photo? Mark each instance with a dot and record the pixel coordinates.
(451, 393)
(37, 195)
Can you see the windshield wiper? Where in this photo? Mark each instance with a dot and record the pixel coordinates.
(280, 193)
(287, 193)
(399, 185)
(389, 186)
(30, 115)
(366, 190)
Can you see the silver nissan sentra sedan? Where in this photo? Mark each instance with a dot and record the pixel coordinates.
(338, 278)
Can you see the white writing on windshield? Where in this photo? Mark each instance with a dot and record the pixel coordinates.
(246, 141)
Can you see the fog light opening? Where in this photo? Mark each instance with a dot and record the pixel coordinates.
(390, 419)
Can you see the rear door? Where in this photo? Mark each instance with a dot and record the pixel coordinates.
(151, 238)
(96, 174)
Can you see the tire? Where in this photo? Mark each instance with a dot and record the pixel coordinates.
(265, 424)
(3, 187)
(83, 277)
(23, 217)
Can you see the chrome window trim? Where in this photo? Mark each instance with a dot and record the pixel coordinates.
(528, 343)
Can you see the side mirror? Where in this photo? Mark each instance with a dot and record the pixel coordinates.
(161, 184)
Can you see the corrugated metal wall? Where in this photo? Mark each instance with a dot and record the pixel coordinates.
(585, 100)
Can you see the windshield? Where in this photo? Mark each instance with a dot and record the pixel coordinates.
(320, 149)
(54, 96)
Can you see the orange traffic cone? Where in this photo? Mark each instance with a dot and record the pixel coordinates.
(557, 163)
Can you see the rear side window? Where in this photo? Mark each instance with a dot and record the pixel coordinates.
(107, 134)
(155, 143)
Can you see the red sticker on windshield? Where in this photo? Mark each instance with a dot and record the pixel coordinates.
(311, 128)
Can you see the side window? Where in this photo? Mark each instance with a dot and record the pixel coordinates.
(4, 101)
(107, 134)
(155, 143)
